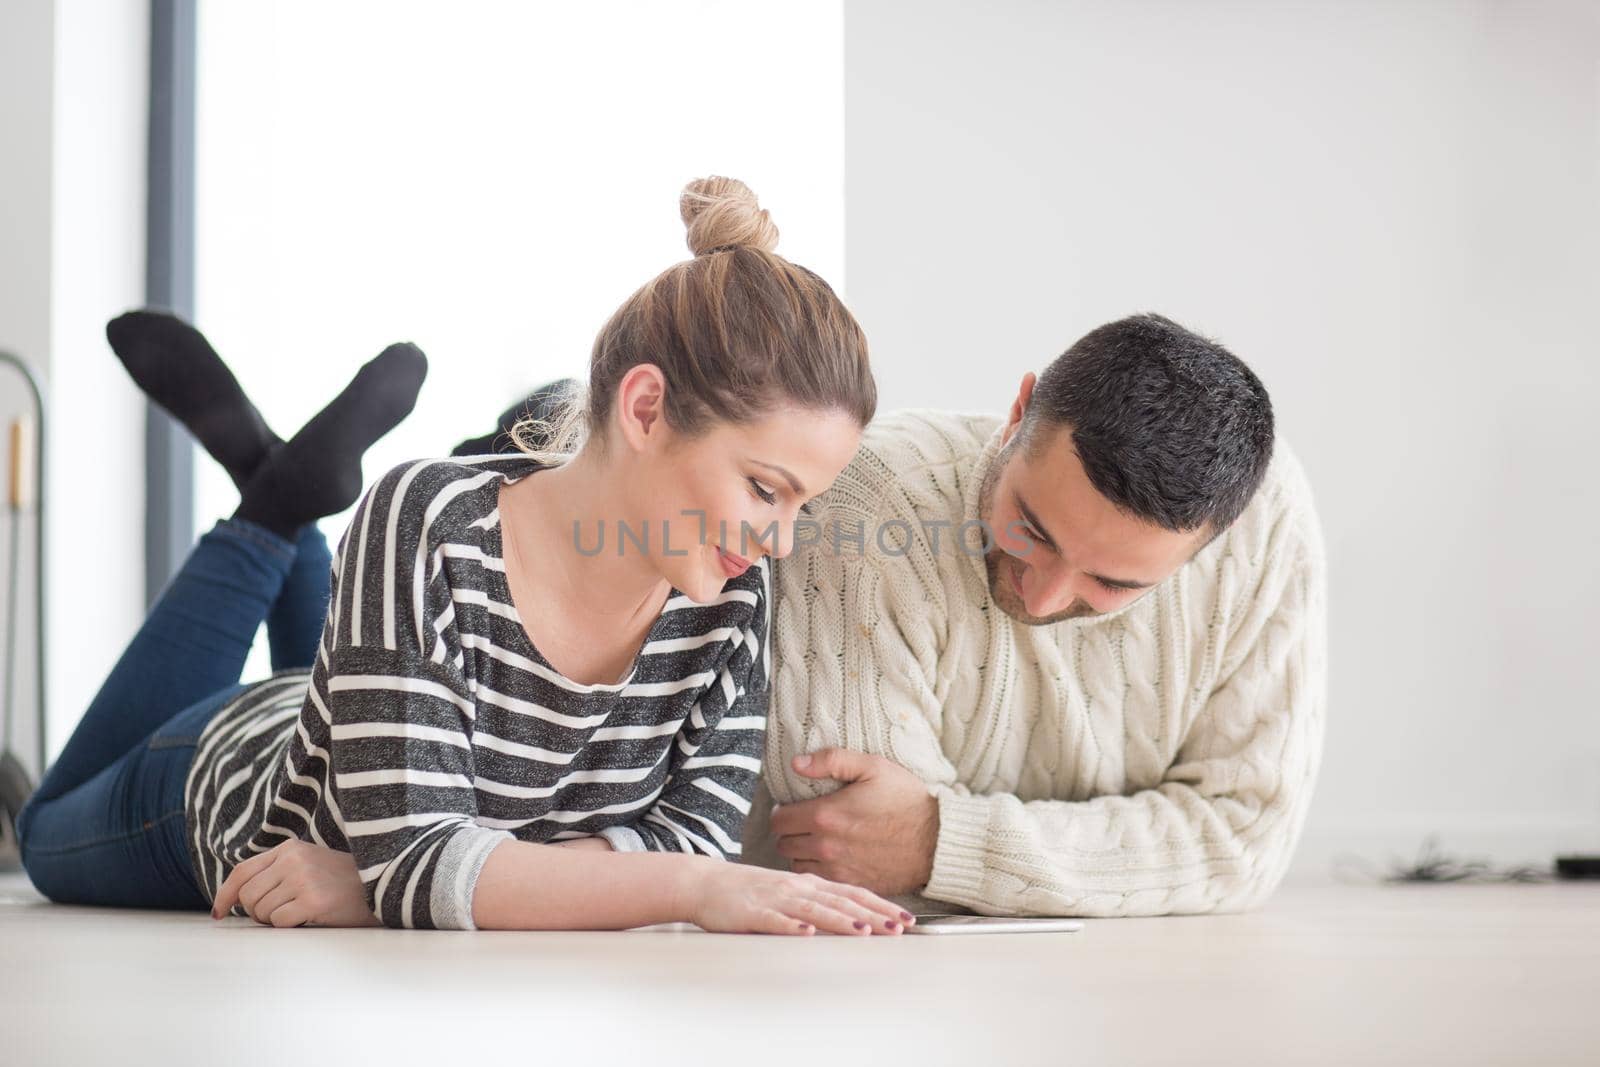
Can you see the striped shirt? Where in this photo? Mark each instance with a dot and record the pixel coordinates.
(429, 729)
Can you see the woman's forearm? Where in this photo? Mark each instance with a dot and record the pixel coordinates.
(592, 844)
(527, 886)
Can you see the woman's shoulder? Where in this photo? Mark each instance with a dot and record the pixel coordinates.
(431, 476)
(440, 495)
(417, 506)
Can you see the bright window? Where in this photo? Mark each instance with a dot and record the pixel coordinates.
(487, 179)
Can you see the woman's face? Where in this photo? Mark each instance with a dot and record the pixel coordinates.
(719, 501)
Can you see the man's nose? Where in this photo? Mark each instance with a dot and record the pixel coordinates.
(1052, 590)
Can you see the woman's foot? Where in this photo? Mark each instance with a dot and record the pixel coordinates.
(176, 367)
(318, 472)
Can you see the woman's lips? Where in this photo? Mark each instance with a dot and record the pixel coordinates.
(732, 565)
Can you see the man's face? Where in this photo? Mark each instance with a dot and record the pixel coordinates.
(1062, 550)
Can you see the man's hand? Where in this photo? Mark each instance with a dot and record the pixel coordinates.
(879, 831)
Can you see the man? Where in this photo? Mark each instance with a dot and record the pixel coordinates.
(1067, 663)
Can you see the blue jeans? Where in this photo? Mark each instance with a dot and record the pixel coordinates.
(106, 825)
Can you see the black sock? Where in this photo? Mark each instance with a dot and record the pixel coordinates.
(176, 367)
(543, 403)
(318, 472)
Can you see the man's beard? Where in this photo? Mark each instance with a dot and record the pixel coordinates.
(1000, 564)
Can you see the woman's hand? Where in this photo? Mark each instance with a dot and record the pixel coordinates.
(295, 884)
(734, 898)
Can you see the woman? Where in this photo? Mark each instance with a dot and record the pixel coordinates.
(503, 720)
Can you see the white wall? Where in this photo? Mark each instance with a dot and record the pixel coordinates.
(73, 77)
(1391, 211)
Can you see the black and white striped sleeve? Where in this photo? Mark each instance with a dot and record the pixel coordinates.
(716, 756)
(401, 716)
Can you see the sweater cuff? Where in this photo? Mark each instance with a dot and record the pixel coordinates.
(624, 839)
(455, 876)
(959, 857)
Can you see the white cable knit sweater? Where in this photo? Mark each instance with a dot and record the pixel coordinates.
(1155, 760)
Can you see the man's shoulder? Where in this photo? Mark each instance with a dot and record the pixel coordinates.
(1286, 482)
(930, 432)
(892, 517)
(1280, 523)
(912, 461)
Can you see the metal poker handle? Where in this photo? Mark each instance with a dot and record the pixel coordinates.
(20, 436)
(17, 495)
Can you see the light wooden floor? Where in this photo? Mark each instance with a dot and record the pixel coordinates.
(1453, 974)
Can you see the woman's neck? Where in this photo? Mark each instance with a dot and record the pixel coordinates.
(562, 508)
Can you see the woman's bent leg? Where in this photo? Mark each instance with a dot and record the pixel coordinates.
(294, 626)
(192, 644)
(119, 839)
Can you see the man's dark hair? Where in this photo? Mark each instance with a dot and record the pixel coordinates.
(1169, 426)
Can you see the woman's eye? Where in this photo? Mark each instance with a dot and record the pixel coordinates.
(763, 492)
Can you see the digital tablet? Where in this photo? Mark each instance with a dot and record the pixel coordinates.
(990, 924)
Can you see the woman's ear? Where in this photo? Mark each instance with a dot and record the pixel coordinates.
(641, 405)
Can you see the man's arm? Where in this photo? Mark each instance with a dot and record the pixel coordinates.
(1216, 835)
(857, 638)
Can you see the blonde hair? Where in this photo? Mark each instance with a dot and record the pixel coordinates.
(738, 331)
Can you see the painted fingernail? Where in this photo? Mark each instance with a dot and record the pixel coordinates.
(908, 917)
(805, 928)
(859, 925)
(891, 925)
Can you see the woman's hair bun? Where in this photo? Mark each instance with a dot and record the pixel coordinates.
(722, 213)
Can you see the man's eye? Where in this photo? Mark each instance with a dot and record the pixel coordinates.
(763, 492)
(1108, 587)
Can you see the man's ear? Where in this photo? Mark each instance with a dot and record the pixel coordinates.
(641, 405)
(1019, 406)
